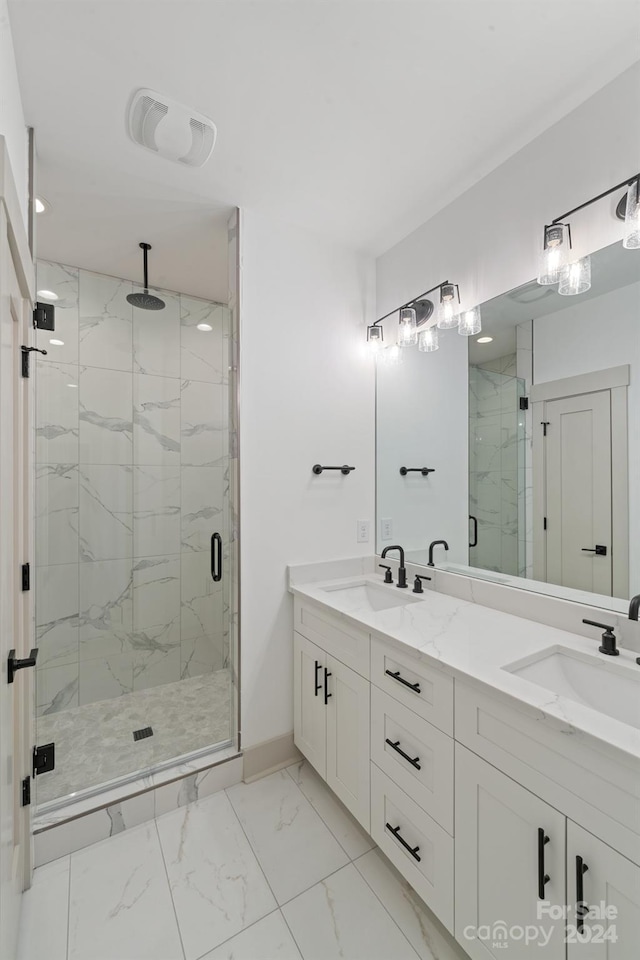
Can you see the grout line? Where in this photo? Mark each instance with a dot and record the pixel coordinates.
(166, 873)
(253, 852)
(384, 907)
(291, 932)
(217, 947)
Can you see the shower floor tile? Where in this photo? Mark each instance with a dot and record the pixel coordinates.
(94, 743)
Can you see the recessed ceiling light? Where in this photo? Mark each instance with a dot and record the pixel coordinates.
(41, 205)
(484, 340)
(57, 343)
(47, 295)
(205, 326)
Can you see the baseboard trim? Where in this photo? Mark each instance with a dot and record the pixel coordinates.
(270, 755)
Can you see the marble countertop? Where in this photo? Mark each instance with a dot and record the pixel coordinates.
(473, 642)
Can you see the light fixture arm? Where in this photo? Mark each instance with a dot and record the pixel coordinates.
(410, 303)
(587, 203)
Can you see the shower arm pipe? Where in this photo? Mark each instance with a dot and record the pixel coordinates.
(410, 302)
(145, 248)
(605, 193)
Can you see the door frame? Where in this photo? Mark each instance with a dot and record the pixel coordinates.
(616, 380)
(21, 309)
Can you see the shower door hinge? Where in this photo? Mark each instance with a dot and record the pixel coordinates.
(26, 577)
(44, 758)
(44, 317)
(26, 791)
(524, 403)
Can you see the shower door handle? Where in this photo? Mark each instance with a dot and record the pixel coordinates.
(474, 540)
(216, 557)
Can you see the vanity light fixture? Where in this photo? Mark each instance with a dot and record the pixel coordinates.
(375, 339)
(428, 340)
(393, 354)
(574, 276)
(448, 309)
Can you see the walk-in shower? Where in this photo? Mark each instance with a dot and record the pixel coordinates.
(135, 563)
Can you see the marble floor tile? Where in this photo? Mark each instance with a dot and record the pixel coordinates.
(269, 939)
(217, 885)
(293, 845)
(45, 914)
(120, 901)
(342, 917)
(347, 831)
(423, 931)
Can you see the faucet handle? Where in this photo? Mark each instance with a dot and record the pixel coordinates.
(387, 577)
(417, 583)
(608, 644)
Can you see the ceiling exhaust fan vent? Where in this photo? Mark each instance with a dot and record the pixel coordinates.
(170, 129)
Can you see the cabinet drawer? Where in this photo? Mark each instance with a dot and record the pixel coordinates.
(426, 691)
(342, 639)
(429, 778)
(429, 869)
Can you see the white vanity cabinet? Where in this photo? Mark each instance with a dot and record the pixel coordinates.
(331, 724)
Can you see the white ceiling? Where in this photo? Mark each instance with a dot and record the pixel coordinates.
(358, 119)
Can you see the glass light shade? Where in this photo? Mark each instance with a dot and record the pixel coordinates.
(632, 217)
(375, 338)
(428, 340)
(575, 277)
(408, 332)
(448, 308)
(554, 254)
(470, 322)
(393, 354)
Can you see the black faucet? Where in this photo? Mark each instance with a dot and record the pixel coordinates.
(402, 572)
(634, 607)
(608, 644)
(436, 543)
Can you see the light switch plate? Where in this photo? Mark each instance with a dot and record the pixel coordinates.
(363, 531)
(386, 525)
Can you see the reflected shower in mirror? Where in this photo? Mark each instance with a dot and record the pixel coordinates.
(532, 429)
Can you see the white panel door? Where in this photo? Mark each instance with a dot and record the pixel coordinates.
(501, 860)
(309, 710)
(609, 881)
(16, 699)
(348, 772)
(578, 492)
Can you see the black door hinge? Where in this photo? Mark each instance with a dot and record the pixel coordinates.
(44, 758)
(524, 403)
(26, 791)
(544, 523)
(544, 424)
(26, 577)
(25, 358)
(44, 316)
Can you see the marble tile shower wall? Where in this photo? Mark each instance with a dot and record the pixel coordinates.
(132, 478)
(494, 474)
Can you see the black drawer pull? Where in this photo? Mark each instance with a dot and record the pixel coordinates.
(318, 686)
(543, 877)
(396, 746)
(327, 674)
(396, 676)
(412, 850)
(582, 908)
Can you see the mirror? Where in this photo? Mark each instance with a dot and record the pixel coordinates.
(530, 432)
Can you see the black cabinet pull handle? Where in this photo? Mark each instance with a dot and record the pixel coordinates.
(581, 907)
(474, 540)
(543, 877)
(318, 686)
(327, 674)
(396, 676)
(425, 471)
(412, 850)
(13, 664)
(415, 762)
(216, 557)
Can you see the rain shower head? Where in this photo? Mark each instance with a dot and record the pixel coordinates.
(145, 300)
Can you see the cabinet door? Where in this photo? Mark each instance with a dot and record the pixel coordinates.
(611, 891)
(498, 865)
(309, 711)
(348, 772)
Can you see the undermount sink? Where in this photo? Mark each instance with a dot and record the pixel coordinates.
(365, 595)
(611, 688)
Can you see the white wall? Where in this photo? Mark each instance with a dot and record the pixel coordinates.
(593, 335)
(306, 388)
(488, 240)
(12, 124)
